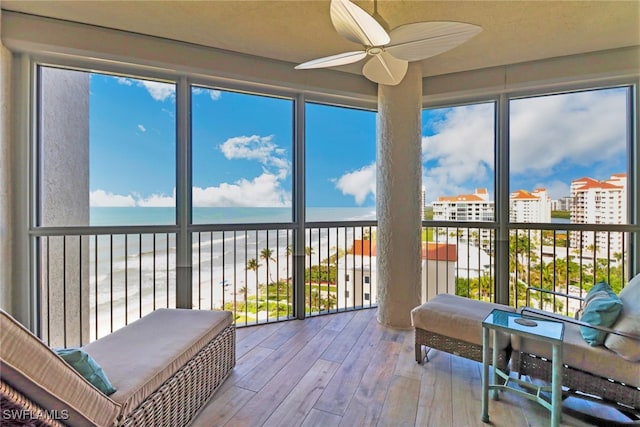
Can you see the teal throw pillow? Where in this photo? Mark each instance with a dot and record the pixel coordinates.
(87, 367)
(601, 308)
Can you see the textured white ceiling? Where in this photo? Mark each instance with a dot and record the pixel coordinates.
(297, 31)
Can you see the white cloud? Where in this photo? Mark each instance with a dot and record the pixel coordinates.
(124, 81)
(460, 152)
(248, 147)
(158, 90)
(547, 134)
(581, 128)
(262, 191)
(213, 94)
(142, 128)
(157, 201)
(359, 183)
(260, 148)
(101, 198)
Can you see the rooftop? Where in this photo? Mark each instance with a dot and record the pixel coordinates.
(523, 195)
(430, 251)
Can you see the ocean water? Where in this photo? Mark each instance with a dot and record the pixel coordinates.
(114, 216)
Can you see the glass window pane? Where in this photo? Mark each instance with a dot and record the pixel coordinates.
(106, 150)
(242, 157)
(340, 163)
(458, 163)
(569, 157)
(568, 164)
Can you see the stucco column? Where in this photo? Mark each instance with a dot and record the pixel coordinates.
(399, 181)
(6, 239)
(64, 195)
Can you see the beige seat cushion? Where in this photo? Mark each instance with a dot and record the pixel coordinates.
(141, 357)
(457, 317)
(628, 321)
(32, 368)
(580, 355)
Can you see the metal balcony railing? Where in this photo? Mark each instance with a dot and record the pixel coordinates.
(94, 280)
(567, 259)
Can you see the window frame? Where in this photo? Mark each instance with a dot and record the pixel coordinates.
(26, 121)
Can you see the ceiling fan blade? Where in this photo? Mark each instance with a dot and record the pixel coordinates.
(334, 60)
(413, 42)
(356, 25)
(385, 69)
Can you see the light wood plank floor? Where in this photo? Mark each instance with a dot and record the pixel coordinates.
(347, 370)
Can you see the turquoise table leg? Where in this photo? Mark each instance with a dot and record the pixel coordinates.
(556, 384)
(485, 375)
(494, 360)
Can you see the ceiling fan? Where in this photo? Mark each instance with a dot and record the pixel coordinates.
(391, 53)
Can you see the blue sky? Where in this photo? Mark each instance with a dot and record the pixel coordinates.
(554, 139)
(242, 146)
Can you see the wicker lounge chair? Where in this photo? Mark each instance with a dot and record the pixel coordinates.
(165, 367)
(592, 372)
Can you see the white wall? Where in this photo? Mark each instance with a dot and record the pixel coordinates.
(437, 278)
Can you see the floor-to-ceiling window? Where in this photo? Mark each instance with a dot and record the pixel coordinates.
(340, 182)
(567, 214)
(458, 180)
(112, 239)
(107, 217)
(569, 168)
(242, 165)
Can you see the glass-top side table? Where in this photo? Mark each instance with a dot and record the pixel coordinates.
(527, 327)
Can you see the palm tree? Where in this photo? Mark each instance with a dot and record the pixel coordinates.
(618, 257)
(253, 265)
(519, 245)
(308, 251)
(366, 234)
(332, 263)
(474, 237)
(267, 255)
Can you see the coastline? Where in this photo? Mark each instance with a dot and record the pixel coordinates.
(129, 273)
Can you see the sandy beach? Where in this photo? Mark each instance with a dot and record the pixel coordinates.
(219, 276)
